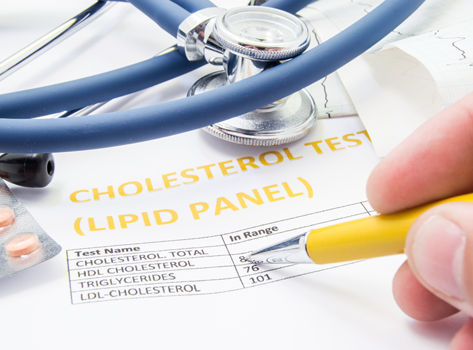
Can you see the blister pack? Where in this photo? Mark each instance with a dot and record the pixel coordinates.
(23, 243)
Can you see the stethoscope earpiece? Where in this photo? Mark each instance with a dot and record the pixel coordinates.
(28, 170)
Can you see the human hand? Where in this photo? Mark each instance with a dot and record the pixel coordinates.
(435, 162)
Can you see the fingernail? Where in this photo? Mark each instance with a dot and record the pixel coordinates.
(438, 253)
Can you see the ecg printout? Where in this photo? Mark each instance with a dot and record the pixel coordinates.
(425, 65)
(153, 233)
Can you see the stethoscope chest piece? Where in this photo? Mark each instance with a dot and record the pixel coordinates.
(251, 40)
(282, 122)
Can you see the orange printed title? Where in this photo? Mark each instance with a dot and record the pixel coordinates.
(297, 187)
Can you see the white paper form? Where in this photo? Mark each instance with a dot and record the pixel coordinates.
(151, 254)
(152, 234)
(200, 211)
(423, 66)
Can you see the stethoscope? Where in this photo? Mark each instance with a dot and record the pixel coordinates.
(256, 99)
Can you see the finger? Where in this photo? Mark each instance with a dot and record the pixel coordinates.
(439, 247)
(415, 300)
(463, 340)
(435, 162)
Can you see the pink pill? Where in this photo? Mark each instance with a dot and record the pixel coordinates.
(23, 244)
(7, 217)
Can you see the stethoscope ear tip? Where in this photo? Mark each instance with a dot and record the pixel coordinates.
(27, 170)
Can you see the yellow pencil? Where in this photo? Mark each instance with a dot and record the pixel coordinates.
(369, 237)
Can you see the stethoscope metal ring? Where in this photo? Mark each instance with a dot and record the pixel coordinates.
(261, 33)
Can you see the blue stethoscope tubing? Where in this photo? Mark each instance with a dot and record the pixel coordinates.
(141, 124)
(88, 91)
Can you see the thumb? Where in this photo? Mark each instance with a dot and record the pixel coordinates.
(439, 247)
